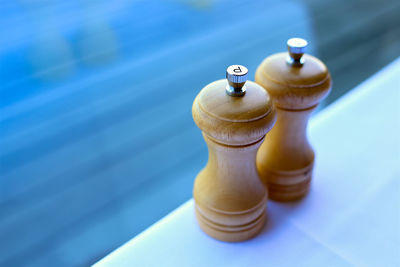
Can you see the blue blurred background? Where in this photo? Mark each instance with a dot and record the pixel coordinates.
(96, 136)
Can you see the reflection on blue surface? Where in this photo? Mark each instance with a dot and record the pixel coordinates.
(96, 135)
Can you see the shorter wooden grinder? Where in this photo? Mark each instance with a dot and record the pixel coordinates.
(296, 84)
(234, 116)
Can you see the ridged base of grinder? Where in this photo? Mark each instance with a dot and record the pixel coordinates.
(289, 186)
(232, 227)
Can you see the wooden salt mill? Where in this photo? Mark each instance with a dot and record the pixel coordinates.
(296, 82)
(234, 116)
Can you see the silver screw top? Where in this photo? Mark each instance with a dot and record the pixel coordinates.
(296, 48)
(237, 77)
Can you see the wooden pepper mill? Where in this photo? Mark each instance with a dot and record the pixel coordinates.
(234, 116)
(296, 82)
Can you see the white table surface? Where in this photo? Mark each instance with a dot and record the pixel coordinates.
(351, 216)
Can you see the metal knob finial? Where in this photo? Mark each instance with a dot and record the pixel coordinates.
(237, 77)
(296, 48)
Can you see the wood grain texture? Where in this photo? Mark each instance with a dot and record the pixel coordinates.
(230, 197)
(285, 160)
